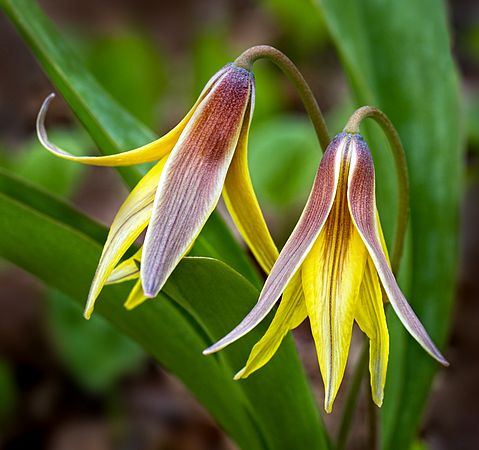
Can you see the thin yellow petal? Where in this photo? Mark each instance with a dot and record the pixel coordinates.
(150, 152)
(136, 297)
(332, 274)
(130, 268)
(130, 221)
(372, 320)
(126, 270)
(147, 153)
(243, 206)
(291, 312)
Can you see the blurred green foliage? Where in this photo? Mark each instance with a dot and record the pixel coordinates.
(131, 68)
(472, 120)
(94, 353)
(301, 22)
(56, 175)
(283, 160)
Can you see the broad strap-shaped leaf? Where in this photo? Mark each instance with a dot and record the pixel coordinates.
(397, 56)
(174, 327)
(271, 408)
(26, 231)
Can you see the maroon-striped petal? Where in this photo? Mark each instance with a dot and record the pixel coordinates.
(362, 205)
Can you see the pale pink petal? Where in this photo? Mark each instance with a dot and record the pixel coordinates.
(362, 204)
(298, 245)
(193, 178)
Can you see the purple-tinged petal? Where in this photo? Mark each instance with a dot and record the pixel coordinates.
(298, 245)
(362, 205)
(193, 178)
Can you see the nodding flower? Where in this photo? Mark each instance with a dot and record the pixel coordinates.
(203, 156)
(332, 269)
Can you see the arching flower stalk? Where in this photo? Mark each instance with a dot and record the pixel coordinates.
(205, 154)
(331, 270)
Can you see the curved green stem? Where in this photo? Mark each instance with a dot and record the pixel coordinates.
(401, 170)
(248, 58)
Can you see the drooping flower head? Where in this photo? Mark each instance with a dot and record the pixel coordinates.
(331, 270)
(205, 154)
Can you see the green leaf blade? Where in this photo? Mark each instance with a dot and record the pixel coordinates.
(397, 55)
(273, 409)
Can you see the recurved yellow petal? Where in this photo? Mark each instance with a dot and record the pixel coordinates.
(136, 297)
(126, 270)
(291, 312)
(150, 152)
(243, 205)
(130, 221)
(372, 320)
(332, 274)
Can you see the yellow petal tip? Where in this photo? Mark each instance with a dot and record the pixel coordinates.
(328, 407)
(240, 374)
(378, 400)
(329, 400)
(129, 305)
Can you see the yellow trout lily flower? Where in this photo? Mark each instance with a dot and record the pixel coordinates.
(331, 270)
(205, 154)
